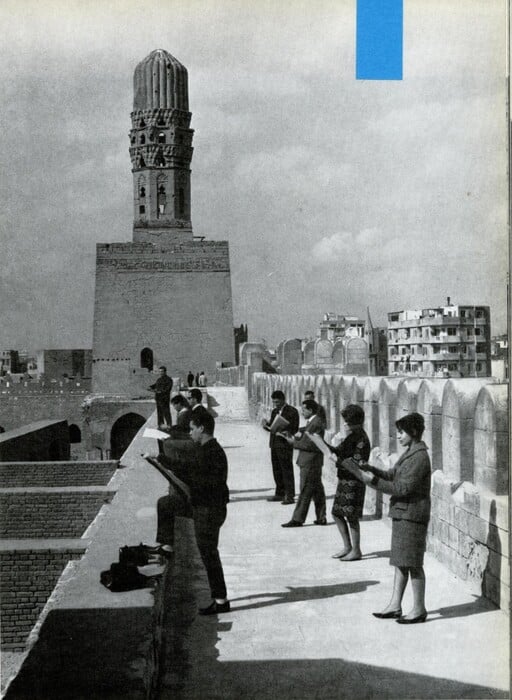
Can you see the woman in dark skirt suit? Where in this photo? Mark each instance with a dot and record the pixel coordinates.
(347, 508)
(408, 482)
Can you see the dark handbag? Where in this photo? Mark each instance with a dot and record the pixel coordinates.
(124, 577)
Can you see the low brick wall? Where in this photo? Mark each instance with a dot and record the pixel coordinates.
(28, 576)
(28, 474)
(49, 514)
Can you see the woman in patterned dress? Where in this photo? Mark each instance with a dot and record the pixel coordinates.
(347, 508)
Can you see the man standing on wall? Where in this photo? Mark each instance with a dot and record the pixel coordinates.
(281, 453)
(162, 389)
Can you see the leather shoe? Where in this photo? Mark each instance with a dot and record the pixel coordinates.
(292, 523)
(388, 615)
(215, 608)
(320, 522)
(412, 620)
(274, 498)
(287, 501)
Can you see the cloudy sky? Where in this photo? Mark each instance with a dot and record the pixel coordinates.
(334, 194)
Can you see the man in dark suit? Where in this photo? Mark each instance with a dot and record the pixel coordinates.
(162, 389)
(310, 462)
(321, 410)
(184, 414)
(195, 399)
(281, 453)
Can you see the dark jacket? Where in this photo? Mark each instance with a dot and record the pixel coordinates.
(357, 446)
(290, 414)
(408, 482)
(162, 388)
(208, 480)
(309, 454)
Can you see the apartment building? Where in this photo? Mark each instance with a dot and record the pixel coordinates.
(449, 340)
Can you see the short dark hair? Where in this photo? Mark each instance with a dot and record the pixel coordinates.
(196, 394)
(179, 400)
(163, 367)
(413, 424)
(205, 420)
(310, 405)
(353, 414)
(277, 394)
(309, 393)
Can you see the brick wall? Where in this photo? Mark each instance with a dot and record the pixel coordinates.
(47, 514)
(27, 578)
(30, 474)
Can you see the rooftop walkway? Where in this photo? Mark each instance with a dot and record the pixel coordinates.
(301, 623)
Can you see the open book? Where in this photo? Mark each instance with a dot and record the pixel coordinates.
(169, 475)
(278, 424)
(154, 433)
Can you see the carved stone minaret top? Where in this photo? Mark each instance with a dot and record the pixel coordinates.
(161, 150)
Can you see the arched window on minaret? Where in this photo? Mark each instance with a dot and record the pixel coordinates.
(161, 137)
(160, 160)
(162, 200)
(142, 162)
(146, 359)
(142, 139)
(181, 201)
(142, 123)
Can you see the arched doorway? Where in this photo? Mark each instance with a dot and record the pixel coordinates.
(146, 359)
(75, 434)
(122, 433)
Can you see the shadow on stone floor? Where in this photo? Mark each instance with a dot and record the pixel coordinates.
(207, 678)
(301, 593)
(86, 655)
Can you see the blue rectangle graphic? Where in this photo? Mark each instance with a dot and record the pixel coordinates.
(379, 40)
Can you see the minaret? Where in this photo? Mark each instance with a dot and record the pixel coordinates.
(161, 150)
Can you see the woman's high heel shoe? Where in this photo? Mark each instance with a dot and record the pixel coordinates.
(388, 615)
(412, 620)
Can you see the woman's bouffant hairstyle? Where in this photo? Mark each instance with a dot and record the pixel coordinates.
(413, 424)
(353, 414)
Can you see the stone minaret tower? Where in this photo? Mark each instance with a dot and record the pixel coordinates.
(161, 151)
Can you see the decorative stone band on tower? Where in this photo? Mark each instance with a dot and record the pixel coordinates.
(161, 150)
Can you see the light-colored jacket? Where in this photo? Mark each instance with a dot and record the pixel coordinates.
(309, 454)
(408, 482)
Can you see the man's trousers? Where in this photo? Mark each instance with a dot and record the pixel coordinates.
(281, 455)
(311, 488)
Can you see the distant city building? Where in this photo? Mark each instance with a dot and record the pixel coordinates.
(9, 362)
(451, 340)
(377, 339)
(56, 364)
(500, 356)
(333, 327)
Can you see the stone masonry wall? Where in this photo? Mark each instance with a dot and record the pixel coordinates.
(27, 474)
(48, 514)
(467, 432)
(27, 577)
(176, 302)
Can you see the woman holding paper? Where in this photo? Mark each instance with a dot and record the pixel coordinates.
(347, 508)
(408, 482)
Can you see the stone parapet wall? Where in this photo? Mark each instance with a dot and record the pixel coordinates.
(466, 429)
(49, 513)
(230, 376)
(28, 576)
(52, 474)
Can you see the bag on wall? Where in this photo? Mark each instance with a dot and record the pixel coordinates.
(124, 577)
